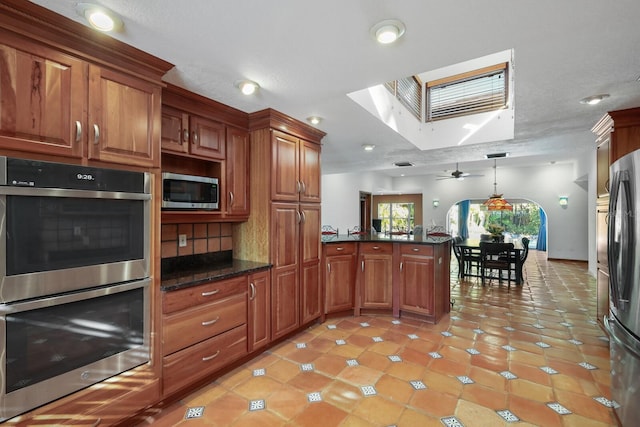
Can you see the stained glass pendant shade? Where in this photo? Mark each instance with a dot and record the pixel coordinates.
(496, 202)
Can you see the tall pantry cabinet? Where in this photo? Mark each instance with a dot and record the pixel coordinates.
(284, 224)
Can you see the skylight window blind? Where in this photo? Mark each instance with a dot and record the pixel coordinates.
(409, 92)
(484, 90)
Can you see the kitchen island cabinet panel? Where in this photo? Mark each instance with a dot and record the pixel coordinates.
(340, 276)
(375, 277)
(259, 316)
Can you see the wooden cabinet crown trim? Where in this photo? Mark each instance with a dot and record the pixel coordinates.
(49, 28)
(270, 118)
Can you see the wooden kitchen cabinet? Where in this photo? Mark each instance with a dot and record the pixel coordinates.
(204, 329)
(339, 274)
(190, 134)
(56, 104)
(259, 320)
(288, 237)
(296, 169)
(375, 277)
(423, 280)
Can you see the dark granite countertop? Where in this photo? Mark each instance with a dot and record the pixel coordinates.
(402, 238)
(183, 272)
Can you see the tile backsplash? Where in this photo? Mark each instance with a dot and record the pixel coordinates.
(201, 238)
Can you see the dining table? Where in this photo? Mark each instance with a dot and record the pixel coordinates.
(470, 254)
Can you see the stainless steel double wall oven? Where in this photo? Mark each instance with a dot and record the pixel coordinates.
(74, 278)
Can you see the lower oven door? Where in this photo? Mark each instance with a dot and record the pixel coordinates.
(57, 345)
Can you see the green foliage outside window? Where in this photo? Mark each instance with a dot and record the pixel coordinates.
(396, 216)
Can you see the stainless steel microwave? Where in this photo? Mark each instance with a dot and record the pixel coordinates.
(189, 192)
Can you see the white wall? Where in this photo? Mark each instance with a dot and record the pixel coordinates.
(341, 197)
(567, 228)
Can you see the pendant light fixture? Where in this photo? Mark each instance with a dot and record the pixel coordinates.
(496, 202)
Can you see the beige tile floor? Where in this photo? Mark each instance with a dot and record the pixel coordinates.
(528, 356)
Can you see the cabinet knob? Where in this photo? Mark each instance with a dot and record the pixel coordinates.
(194, 137)
(78, 131)
(185, 135)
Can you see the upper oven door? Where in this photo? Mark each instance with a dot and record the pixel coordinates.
(57, 240)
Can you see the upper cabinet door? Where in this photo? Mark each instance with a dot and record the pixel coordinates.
(207, 138)
(309, 172)
(237, 166)
(42, 99)
(175, 130)
(285, 183)
(124, 119)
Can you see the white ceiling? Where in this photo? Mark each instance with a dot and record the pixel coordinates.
(307, 56)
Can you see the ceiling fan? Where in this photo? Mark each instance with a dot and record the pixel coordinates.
(457, 174)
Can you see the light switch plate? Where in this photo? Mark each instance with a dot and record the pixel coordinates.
(182, 240)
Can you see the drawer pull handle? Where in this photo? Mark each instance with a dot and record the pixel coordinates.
(213, 356)
(339, 249)
(208, 294)
(376, 247)
(416, 250)
(210, 322)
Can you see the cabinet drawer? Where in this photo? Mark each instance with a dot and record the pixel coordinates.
(194, 363)
(376, 248)
(407, 249)
(189, 327)
(202, 294)
(339, 249)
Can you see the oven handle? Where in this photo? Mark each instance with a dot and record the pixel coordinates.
(79, 194)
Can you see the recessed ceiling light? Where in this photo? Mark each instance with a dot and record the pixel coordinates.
(314, 120)
(247, 87)
(595, 99)
(99, 17)
(368, 147)
(387, 31)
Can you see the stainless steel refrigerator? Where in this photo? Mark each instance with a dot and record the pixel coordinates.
(623, 322)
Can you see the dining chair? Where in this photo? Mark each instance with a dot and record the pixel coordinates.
(355, 231)
(328, 230)
(457, 251)
(497, 257)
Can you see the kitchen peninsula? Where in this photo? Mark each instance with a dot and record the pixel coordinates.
(402, 275)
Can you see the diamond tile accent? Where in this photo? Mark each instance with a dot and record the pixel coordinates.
(538, 326)
(341, 342)
(542, 344)
(301, 345)
(509, 328)
(195, 412)
(451, 422)
(593, 322)
(396, 322)
(306, 367)
(314, 397)
(560, 310)
(583, 308)
(508, 416)
(395, 358)
(259, 372)
(377, 339)
(558, 408)
(368, 390)
(418, 385)
(352, 362)
(454, 318)
(257, 405)
(509, 348)
(603, 400)
(332, 327)
(484, 316)
(478, 331)
(413, 336)
(364, 324)
(586, 365)
(472, 351)
(549, 370)
(465, 379)
(508, 375)
(446, 334)
(567, 324)
(435, 355)
(576, 342)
